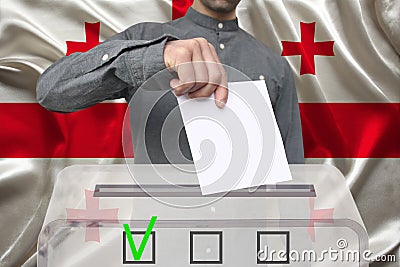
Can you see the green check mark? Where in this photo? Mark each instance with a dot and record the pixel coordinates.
(137, 254)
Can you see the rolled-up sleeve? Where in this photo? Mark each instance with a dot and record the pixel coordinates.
(288, 117)
(106, 71)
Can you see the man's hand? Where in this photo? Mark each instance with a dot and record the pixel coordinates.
(199, 69)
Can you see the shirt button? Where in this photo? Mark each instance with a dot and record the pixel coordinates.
(220, 25)
(105, 57)
(222, 46)
(261, 77)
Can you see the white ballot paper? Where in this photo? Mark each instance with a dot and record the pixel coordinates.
(236, 147)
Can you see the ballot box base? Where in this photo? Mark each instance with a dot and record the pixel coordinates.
(309, 221)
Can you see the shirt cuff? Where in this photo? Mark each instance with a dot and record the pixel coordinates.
(153, 59)
(146, 61)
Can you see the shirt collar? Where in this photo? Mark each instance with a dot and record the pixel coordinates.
(208, 22)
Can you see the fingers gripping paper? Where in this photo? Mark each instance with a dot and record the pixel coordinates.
(238, 146)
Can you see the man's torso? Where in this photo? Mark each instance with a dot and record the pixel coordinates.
(248, 58)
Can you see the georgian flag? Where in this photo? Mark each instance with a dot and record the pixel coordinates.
(342, 53)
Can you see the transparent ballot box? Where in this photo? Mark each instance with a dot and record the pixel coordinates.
(119, 215)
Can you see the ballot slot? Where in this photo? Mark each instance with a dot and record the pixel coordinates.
(190, 190)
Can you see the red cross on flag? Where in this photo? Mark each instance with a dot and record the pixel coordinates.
(307, 48)
(343, 54)
(92, 32)
(92, 212)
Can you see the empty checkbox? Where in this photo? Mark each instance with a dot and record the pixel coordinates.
(205, 247)
(273, 247)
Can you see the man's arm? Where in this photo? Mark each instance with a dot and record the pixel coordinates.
(105, 72)
(288, 118)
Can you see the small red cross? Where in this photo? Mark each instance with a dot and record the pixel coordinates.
(92, 213)
(307, 48)
(321, 215)
(92, 31)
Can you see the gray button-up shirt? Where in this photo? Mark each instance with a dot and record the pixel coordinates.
(120, 65)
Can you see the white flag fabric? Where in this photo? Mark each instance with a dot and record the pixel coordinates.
(348, 90)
